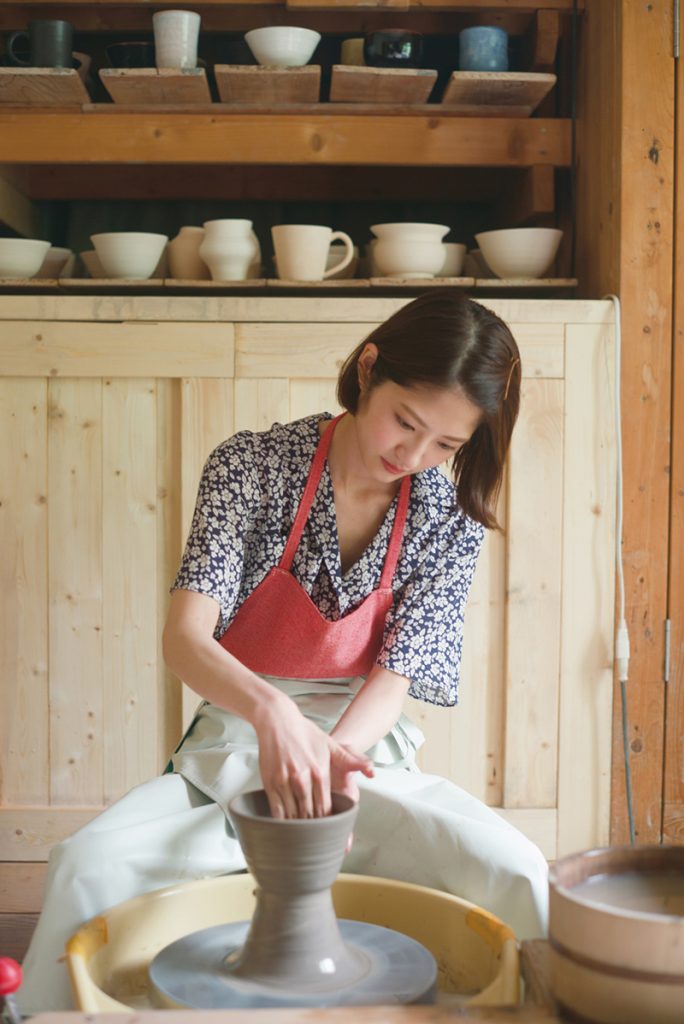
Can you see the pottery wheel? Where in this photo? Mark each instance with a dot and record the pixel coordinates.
(195, 972)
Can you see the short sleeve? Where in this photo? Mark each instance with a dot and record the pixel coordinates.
(424, 630)
(227, 501)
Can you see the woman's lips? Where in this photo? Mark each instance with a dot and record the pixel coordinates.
(392, 469)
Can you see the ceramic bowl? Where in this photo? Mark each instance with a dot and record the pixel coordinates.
(409, 250)
(520, 252)
(393, 48)
(58, 262)
(21, 257)
(129, 254)
(283, 45)
(453, 261)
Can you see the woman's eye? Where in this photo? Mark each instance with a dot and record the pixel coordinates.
(404, 424)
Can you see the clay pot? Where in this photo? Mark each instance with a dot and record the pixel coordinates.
(229, 249)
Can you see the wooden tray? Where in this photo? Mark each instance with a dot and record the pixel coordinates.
(42, 87)
(138, 86)
(246, 83)
(496, 93)
(350, 84)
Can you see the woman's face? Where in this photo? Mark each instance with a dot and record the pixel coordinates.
(404, 430)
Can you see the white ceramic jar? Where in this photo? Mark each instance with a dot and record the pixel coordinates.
(409, 250)
(229, 249)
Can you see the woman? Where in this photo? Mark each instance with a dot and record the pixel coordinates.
(331, 560)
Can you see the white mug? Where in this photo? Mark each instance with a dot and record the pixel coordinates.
(175, 38)
(301, 251)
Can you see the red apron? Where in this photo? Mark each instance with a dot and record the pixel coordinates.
(279, 631)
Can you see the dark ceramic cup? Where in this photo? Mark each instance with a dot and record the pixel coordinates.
(393, 48)
(49, 45)
(131, 55)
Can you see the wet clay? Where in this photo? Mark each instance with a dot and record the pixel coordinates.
(294, 952)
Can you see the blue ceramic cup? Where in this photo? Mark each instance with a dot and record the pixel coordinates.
(483, 48)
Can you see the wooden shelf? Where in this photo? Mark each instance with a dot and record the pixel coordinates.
(328, 134)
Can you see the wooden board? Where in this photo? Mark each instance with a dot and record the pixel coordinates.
(244, 83)
(43, 87)
(156, 85)
(496, 93)
(380, 85)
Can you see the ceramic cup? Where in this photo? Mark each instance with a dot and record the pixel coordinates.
(351, 52)
(131, 55)
(229, 248)
(301, 251)
(393, 48)
(483, 48)
(49, 45)
(175, 38)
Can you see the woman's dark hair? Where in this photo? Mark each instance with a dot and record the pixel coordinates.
(443, 339)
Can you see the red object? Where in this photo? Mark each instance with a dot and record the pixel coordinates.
(10, 976)
(279, 631)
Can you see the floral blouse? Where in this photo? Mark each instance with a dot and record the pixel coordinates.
(248, 497)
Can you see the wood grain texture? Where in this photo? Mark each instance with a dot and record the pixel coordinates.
(29, 833)
(42, 87)
(76, 591)
(130, 622)
(351, 84)
(533, 587)
(588, 620)
(207, 418)
(115, 349)
(21, 887)
(24, 722)
(120, 137)
(271, 86)
(673, 796)
(15, 934)
(156, 85)
(646, 289)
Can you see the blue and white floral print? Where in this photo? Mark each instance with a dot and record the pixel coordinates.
(248, 497)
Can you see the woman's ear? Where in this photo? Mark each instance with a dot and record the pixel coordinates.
(365, 364)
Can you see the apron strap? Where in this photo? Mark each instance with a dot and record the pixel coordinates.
(394, 546)
(308, 496)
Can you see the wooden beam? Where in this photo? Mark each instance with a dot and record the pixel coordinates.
(673, 812)
(646, 161)
(17, 211)
(307, 138)
(542, 43)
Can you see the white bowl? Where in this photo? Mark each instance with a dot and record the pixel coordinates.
(55, 262)
(409, 250)
(520, 252)
(453, 261)
(282, 45)
(129, 254)
(411, 230)
(21, 257)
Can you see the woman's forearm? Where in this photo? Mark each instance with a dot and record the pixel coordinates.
(374, 711)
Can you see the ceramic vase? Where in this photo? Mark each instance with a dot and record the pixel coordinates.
(409, 250)
(229, 249)
(185, 262)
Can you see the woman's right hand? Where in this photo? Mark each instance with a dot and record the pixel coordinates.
(297, 761)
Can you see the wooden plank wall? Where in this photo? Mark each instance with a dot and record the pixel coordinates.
(103, 464)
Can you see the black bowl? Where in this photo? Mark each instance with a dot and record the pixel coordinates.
(393, 48)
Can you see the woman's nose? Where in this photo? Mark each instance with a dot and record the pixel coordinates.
(411, 454)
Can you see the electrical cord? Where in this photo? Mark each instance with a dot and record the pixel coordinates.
(622, 638)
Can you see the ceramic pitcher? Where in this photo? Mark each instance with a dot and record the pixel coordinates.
(229, 249)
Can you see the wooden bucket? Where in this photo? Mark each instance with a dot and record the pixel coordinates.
(616, 933)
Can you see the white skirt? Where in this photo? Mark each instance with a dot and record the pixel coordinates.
(410, 826)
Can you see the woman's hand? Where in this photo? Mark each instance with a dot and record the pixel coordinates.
(300, 764)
